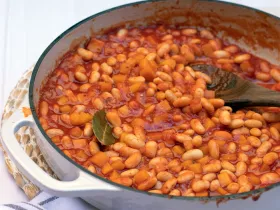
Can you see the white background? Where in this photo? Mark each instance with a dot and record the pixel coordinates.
(28, 26)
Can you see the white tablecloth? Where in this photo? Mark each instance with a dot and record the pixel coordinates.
(28, 26)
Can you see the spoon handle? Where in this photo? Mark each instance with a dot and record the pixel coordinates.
(255, 95)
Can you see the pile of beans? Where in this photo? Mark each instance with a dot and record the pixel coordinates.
(172, 135)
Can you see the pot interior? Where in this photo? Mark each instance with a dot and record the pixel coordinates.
(253, 30)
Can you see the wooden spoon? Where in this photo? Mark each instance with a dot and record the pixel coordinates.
(237, 92)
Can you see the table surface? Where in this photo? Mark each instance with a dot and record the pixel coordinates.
(28, 26)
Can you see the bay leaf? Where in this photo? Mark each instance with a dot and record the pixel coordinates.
(102, 129)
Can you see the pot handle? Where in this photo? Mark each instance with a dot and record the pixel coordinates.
(82, 185)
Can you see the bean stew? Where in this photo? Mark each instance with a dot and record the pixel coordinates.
(172, 135)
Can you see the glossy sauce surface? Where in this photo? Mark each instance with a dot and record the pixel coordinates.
(172, 135)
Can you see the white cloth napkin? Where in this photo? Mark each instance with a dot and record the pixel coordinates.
(44, 201)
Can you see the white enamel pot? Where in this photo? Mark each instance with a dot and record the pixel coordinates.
(255, 31)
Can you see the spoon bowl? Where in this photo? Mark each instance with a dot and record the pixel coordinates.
(237, 92)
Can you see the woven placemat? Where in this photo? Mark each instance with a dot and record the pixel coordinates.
(25, 137)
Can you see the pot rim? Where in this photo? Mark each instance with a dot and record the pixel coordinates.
(36, 119)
